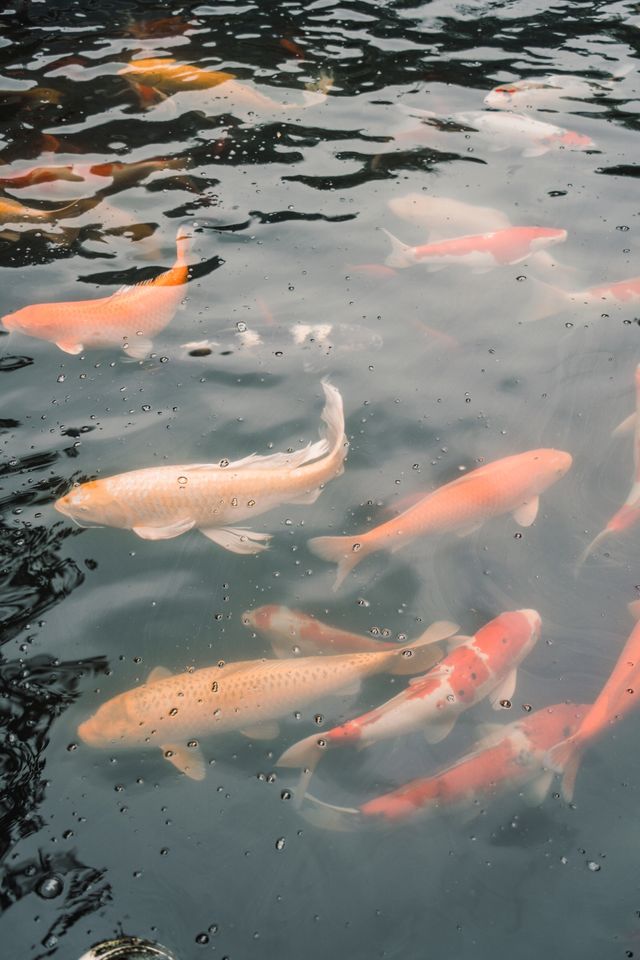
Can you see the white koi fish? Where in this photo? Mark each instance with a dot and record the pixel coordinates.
(159, 503)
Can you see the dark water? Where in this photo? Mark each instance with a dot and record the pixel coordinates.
(438, 371)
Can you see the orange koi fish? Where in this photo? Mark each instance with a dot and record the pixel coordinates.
(293, 633)
(511, 485)
(629, 513)
(481, 252)
(12, 211)
(129, 318)
(169, 711)
(35, 175)
(510, 758)
(618, 697)
(481, 666)
(159, 503)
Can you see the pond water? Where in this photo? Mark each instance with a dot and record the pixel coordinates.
(440, 371)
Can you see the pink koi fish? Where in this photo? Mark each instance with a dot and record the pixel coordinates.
(511, 485)
(481, 251)
(510, 758)
(481, 666)
(618, 697)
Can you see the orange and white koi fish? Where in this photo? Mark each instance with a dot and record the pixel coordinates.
(445, 217)
(169, 711)
(12, 211)
(481, 252)
(129, 318)
(620, 695)
(159, 503)
(121, 173)
(292, 632)
(35, 175)
(511, 485)
(552, 300)
(511, 757)
(166, 75)
(629, 513)
(481, 666)
(553, 89)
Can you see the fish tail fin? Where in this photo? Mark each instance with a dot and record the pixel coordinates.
(628, 425)
(400, 255)
(588, 550)
(565, 759)
(183, 244)
(548, 301)
(344, 551)
(421, 654)
(328, 816)
(332, 432)
(75, 208)
(304, 755)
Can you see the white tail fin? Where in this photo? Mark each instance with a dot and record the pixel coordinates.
(333, 418)
(183, 244)
(328, 816)
(347, 552)
(401, 253)
(423, 653)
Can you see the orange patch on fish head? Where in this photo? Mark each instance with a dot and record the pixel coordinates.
(262, 617)
(90, 502)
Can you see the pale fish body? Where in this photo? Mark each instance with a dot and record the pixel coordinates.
(159, 503)
(168, 711)
(511, 485)
(510, 757)
(484, 665)
(480, 252)
(533, 137)
(445, 217)
(129, 318)
(553, 89)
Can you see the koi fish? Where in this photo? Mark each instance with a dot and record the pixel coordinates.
(164, 74)
(169, 710)
(128, 318)
(293, 633)
(629, 513)
(12, 211)
(35, 175)
(159, 503)
(522, 94)
(481, 666)
(511, 757)
(619, 293)
(510, 485)
(481, 252)
(445, 217)
(616, 699)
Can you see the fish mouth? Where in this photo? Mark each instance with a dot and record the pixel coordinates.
(534, 619)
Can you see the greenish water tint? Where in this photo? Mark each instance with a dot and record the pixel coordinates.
(439, 371)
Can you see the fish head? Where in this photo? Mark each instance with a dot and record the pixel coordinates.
(113, 723)
(36, 320)
(261, 618)
(511, 635)
(91, 502)
(501, 97)
(544, 467)
(546, 237)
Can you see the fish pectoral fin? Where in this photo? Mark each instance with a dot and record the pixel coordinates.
(139, 348)
(536, 791)
(436, 732)
(628, 425)
(268, 730)
(350, 688)
(70, 347)
(527, 512)
(504, 690)
(309, 496)
(237, 539)
(457, 641)
(159, 673)
(166, 532)
(469, 529)
(188, 760)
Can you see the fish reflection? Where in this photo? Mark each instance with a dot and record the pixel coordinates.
(163, 502)
(293, 632)
(511, 485)
(128, 318)
(511, 757)
(168, 711)
(484, 665)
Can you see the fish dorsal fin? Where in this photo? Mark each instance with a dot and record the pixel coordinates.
(130, 287)
(158, 673)
(188, 760)
(268, 730)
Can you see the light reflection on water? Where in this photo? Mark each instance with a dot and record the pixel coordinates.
(438, 370)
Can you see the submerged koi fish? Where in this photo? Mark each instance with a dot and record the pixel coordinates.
(159, 503)
(445, 217)
(511, 485)
(629, 513)
(121, 173)
(165, 75)
(618, 697)
(481, 252)
(35, 175)
(168, 711)
(552, 300)
(292, 632)
(12, 211)
(511, 757)
(129, 318)
(481, 666)
(521, 94)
